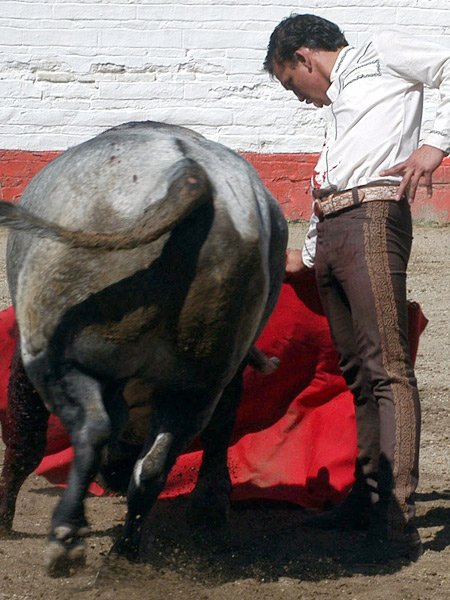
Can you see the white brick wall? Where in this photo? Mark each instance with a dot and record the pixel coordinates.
(71, 68)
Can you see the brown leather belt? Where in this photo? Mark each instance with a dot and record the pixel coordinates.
(333, 203)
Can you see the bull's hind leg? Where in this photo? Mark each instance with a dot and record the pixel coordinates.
(24, 434)
(210, 501)
(78, 401)
(146, 483)
(177, 419)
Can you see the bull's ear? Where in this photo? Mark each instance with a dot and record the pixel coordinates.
(187, 181)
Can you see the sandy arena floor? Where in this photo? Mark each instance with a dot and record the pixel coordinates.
(272, 556)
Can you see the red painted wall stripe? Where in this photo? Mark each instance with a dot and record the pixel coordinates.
(17, 167)
(287, 176)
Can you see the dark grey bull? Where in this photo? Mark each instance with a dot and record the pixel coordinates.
(156, 260)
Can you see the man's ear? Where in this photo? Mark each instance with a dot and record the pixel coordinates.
(303, 56)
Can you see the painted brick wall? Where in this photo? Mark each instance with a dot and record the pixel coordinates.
(71, 68)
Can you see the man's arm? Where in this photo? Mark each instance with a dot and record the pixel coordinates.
(302, 261)
(309, 246)
(426, 62)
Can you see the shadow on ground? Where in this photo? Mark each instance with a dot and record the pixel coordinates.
(266, 542)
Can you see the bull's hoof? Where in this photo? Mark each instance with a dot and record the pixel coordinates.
(126, 548)
(5, 528)
(6, 519)
(66, 551)
(208, 518)
(5, 532)
(209, 509)
(63, 558)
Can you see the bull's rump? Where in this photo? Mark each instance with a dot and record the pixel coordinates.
(196, 295)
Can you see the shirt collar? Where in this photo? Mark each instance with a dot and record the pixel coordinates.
(344, 58)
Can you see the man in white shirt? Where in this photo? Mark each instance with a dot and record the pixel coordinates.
(359, 242)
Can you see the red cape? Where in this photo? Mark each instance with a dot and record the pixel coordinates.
(295, 434)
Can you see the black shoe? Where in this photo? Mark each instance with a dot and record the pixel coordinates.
(406, 544)
(345, 516)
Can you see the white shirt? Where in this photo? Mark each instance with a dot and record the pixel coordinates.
(373, 121)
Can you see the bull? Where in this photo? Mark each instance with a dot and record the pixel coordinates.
(155, 260)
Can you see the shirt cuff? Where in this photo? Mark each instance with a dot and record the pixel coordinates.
(438, 140)
(308, 255)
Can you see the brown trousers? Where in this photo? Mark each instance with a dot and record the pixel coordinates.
(361, 261)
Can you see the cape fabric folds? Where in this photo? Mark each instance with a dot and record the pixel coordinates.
(295, 434)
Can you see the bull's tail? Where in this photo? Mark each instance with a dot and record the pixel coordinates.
(188, 188)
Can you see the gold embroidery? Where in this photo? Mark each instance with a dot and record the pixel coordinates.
(375, 244)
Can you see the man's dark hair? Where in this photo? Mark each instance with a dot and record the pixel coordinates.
(299, 31)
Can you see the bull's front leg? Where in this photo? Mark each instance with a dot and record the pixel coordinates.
(24, 434)
(210, 501)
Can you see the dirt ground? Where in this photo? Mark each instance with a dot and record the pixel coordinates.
(269, 554)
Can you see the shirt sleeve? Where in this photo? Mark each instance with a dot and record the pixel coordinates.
(309, 247)
(424, 62)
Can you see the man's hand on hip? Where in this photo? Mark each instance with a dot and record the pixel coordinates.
(422, 163)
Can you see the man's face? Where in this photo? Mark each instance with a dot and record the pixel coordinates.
(305, 79)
